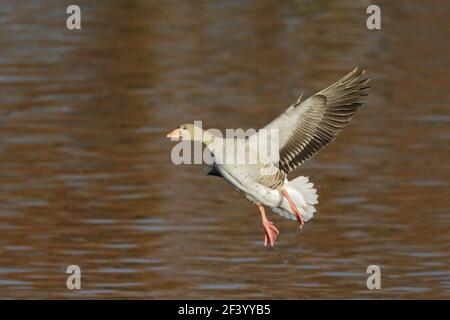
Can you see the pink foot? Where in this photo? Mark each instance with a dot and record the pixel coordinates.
(271, 233)
(294, 208)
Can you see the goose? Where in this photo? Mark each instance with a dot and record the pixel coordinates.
(298, 134)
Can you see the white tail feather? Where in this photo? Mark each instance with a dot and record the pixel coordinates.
(304, 195)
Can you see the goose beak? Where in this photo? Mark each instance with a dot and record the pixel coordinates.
(175, 134)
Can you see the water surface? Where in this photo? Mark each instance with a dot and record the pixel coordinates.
(85, 170)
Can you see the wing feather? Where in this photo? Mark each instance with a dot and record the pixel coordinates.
(306, 127)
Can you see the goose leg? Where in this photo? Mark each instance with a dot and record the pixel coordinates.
(271, 232)
(293, 207)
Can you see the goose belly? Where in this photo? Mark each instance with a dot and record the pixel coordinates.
(252, 191)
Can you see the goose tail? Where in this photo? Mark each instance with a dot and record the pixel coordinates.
(304, 195)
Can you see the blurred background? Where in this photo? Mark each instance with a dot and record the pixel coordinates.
(86, 176)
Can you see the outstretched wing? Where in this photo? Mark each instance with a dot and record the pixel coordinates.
(306, 127)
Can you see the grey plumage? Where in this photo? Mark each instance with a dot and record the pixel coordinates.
(306, 127)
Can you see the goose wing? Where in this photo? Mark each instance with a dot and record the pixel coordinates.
(306, 127)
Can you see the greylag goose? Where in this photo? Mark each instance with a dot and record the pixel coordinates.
(297, 135)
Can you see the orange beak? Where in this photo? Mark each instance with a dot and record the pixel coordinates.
(175, 134)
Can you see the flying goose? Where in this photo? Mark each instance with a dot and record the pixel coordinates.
(301, 131)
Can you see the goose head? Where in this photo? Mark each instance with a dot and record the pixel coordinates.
(190, 132)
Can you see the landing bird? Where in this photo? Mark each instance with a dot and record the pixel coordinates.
(303, 129)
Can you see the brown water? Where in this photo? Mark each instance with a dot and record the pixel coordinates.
(85, 170)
